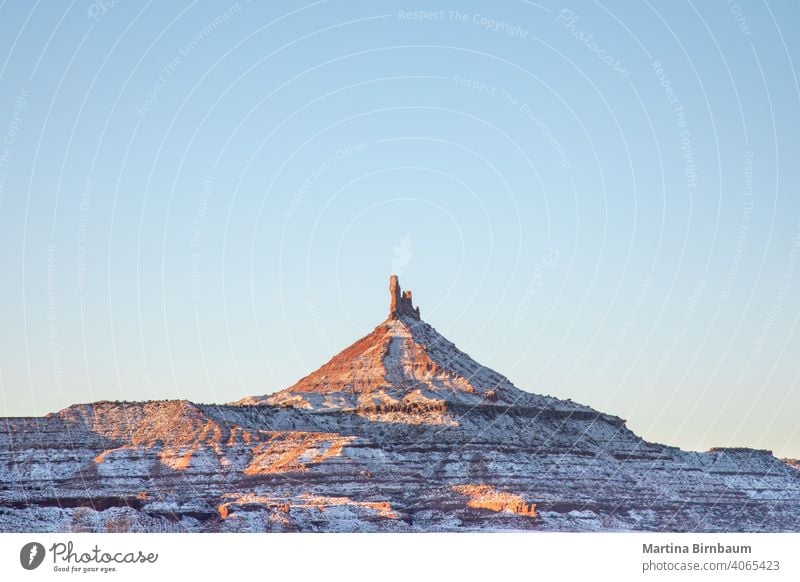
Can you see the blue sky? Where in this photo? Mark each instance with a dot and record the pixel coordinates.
(204, 200)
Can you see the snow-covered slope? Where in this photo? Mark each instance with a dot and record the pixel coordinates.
(399, 432)
(404, 361)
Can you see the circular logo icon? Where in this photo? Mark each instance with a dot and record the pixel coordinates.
(31, 555)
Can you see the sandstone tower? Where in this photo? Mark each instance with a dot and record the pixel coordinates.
(401, 303)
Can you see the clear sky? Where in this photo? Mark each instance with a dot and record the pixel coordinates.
(205, 200)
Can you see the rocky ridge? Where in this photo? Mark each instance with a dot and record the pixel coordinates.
(401, 431)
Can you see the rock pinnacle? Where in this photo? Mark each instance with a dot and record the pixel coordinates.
(401, 303)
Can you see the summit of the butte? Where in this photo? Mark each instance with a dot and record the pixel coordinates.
(404, 361)
(401, 431)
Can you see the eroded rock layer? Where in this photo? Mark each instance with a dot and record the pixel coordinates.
(399, 432)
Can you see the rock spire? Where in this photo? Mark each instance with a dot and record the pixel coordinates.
(400, 301)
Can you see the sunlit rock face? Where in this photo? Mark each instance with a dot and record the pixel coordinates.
(401, 431)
